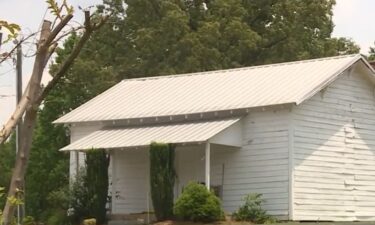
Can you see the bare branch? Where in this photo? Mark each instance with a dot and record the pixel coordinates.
(20, 42)
(57, 29)
(51, 50)
(66, 34)
(74, 54)
(102, 22)
(87, 23)
(55, 20)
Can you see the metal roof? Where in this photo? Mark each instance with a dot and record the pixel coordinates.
(193, 132)
(242, 88)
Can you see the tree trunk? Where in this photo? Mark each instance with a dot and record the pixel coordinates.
(33, 88)
(22, 159)
(33, 97)
(26, 104)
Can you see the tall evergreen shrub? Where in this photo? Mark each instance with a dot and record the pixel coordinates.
(162, 179)
(89, 192)
(97, 162)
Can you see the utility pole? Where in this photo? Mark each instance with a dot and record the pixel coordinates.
(20, 208)
(1, 37)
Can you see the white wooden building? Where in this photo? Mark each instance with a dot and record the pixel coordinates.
(301, 133)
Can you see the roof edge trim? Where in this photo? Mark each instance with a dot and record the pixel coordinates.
(239, 68)
(85, 143)
(331, 79)
(209, 115)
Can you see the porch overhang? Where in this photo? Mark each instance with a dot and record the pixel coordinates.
(223, 131)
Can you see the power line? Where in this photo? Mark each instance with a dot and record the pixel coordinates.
(6, 96)
(6, 72)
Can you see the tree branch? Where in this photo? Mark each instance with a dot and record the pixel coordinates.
(275, 42)
(8, 54)
(89, 29)
(32, 88)
(64, 67)
(66, 34)
(57, 29)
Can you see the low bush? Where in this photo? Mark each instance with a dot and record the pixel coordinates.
(252, 210)
(79, 199)
(198, 204)
(29, 220)
(58, 204)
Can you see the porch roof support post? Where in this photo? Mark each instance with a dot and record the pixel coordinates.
(207, 165)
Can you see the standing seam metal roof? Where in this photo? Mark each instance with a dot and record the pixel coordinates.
(212, 91)
(112, 138)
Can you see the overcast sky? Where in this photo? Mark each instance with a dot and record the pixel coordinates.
(353, 19)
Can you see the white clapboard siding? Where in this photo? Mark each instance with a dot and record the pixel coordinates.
(131, 181)
(77, 132)
(131, 178)
(189, 166)
(334, 152)
(261, 165)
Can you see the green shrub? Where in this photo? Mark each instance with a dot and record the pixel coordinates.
(89, 191)
(28, 220)
(162, 179)
(79, 199)
(58, 204)
(97, 163)
(252, 210)
(13, 200)
(1, 197)
(196, 203)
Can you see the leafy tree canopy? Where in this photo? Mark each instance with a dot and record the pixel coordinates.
(371, 56)
(188, 36)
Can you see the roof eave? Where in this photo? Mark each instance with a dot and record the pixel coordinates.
(182, 117)
(334, 77)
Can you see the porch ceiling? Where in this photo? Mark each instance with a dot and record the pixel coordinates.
(128, 137)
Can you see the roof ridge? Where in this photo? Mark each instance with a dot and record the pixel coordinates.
(240, 68)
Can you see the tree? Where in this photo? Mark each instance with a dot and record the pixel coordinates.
(180, 36)
(12, 30)
(33, 96)
(371, 56)
(188, 36)
(88, 76)
(81, 82)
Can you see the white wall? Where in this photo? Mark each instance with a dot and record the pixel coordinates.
(190, 166)
(130, 181)
(131, 176)
(77, 132)
(261, 165)
(334, 146)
